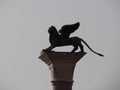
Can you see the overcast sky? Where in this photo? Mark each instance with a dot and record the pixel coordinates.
(23, 35)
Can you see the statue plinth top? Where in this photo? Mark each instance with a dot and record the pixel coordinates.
(60, 57)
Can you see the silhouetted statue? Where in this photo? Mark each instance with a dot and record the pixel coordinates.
(63, 39)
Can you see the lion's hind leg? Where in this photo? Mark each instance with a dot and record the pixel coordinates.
(81, 47)
(75, 48)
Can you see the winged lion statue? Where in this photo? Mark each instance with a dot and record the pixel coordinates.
(62, 38)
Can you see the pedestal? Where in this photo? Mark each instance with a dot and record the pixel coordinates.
(62, 66)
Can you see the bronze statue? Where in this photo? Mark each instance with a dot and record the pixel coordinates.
(62, 38)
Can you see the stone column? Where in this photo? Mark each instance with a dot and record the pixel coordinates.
(61, 65)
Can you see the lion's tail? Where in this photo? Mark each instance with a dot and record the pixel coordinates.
(91, 48)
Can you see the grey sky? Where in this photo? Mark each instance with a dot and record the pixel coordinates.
(23, 34)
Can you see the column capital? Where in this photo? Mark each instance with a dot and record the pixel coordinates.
(60, 57)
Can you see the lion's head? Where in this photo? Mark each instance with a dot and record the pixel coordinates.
(52, 29)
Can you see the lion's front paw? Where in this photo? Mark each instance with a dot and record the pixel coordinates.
(47, 49)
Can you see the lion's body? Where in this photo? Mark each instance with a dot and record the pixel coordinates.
(74, 41)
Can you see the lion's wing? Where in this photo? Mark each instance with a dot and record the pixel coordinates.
(66, 30)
